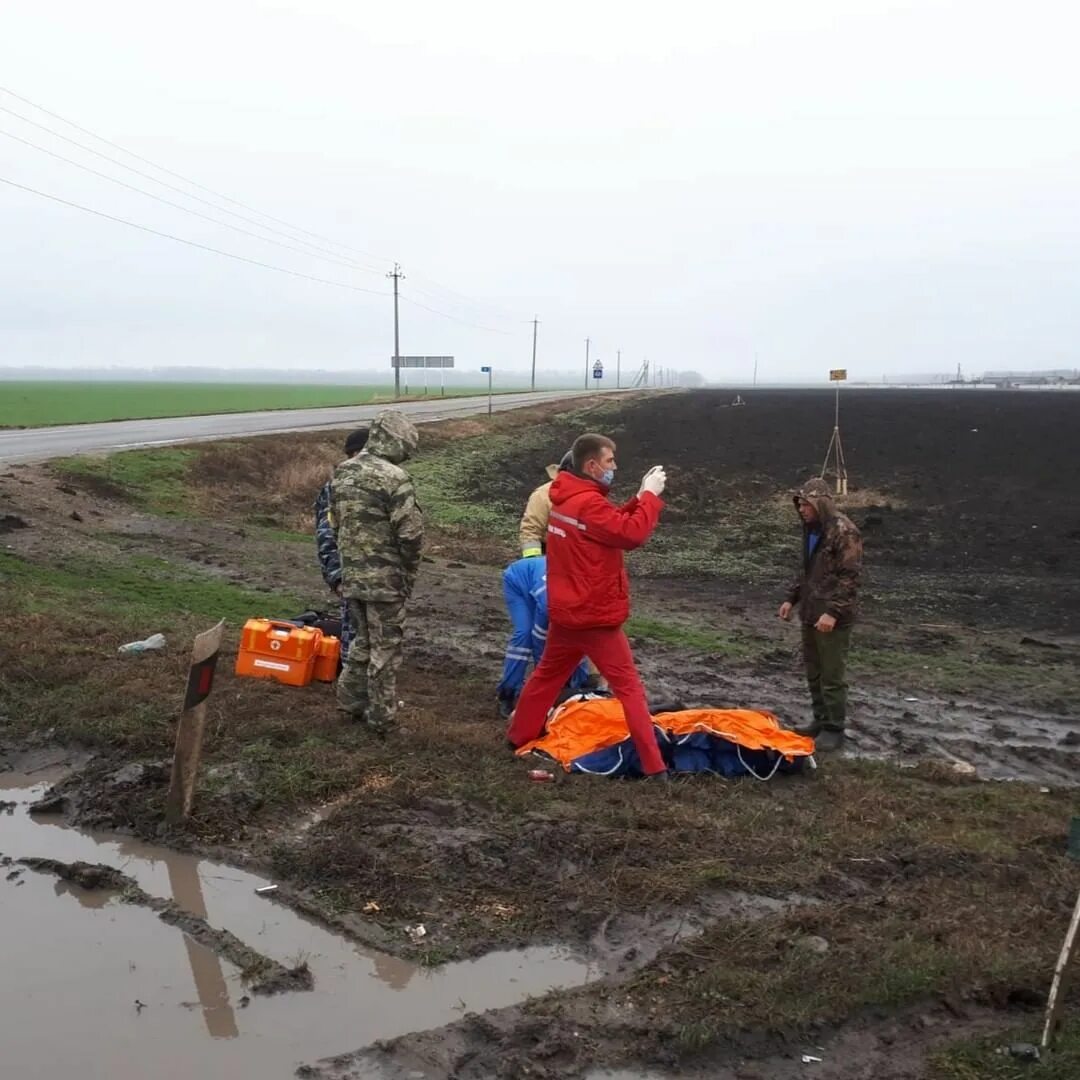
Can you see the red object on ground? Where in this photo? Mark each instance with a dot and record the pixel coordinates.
(609, 650)
(541, 776)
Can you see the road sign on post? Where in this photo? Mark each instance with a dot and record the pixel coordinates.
(425, 362)
(488, 370)
(836, 447)
(597, 370)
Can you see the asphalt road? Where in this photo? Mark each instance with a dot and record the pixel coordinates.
(41, 444)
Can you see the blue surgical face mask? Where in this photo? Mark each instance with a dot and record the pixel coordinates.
(607, 477)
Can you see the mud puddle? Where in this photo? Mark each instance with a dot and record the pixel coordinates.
(139, 997)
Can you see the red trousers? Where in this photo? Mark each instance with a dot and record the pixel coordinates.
(609, 650)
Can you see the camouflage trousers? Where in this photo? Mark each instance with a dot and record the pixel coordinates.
(367, 686)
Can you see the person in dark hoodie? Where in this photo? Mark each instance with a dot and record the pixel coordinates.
(589, 593)
(379, 530)
(826, 592)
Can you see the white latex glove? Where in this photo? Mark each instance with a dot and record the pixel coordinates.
(655, 480)
(641, 486)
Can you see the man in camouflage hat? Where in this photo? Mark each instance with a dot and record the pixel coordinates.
(825, 589)
(379, 533)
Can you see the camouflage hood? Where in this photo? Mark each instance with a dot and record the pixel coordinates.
(393, 437)
(816, 492)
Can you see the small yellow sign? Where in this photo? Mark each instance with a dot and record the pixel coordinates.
(838, 375)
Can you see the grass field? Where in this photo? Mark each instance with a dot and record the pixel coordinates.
(38, 404)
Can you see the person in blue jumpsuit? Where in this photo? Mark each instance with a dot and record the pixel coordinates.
(525, 590)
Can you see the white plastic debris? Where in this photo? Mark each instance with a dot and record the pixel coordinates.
(150, 644)
(809, 1059)
(965, 768)
(416, 933)
(266, 890)
(911, 699)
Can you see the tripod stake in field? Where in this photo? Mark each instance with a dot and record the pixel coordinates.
(835, 451)
(189, 732)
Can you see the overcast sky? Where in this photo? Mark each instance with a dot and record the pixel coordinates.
(891, 187)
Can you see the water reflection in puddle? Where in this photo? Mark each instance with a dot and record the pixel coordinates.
(99, 989)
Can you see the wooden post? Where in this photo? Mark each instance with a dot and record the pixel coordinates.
(189, 732)
(1053, 1004)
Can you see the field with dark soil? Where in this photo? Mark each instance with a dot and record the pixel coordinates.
(895, 913)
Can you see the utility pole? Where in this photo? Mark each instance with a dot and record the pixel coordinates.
(534, 355)
(618, 370)
(586, 363)
(397, 275)
(755, 367)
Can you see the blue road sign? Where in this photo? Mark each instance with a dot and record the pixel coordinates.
(486, 370)
(598, 370)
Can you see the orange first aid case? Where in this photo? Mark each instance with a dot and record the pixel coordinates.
(326, 661)
(278, 650)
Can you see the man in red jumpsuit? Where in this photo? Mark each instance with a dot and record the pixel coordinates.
(589, 594)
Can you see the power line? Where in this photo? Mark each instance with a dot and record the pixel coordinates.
(331, 255)
(179, 206)
(189, 243)
(173, 187)
(178, 176)
(493, 308)
(238, 258)
(446, 315)
(475, 304)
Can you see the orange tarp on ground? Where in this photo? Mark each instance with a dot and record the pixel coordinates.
(752, 729)
(581, 727)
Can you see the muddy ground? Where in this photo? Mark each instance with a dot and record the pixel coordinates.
(923, 882)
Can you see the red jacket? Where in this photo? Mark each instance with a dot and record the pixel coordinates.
(587, 535)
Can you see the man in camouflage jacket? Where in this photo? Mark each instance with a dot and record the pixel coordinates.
(326, 539)
(826, 591)
(379, 531)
